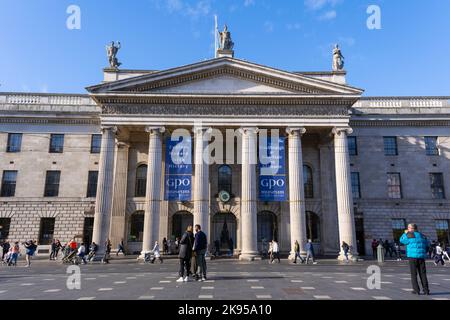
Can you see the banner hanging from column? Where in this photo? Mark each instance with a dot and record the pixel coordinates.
(178, 169)
(272, 172)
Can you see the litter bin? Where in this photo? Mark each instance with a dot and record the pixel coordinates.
(380, 253)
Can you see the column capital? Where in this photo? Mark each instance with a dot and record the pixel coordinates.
(291, 131)
(155, 130)
(247, 130)
(339, 130)
(113, 129)
(122, 144)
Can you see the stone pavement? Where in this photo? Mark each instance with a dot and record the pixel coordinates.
(227, 280)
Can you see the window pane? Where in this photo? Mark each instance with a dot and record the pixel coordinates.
(437, 185)
(352, 146)
(225, 178)
(96, 143)
(4, 228)
(394, 186)
(8, 184)
(431, 146)
(390, 146)
(46, 231)
(442, 224)
(56, 143)
(136, 227)
(308, 182)
(14, 142)
(442, 231)
(92, 184)
(356, 189)
(399, 224)
(52, 184)
(141, 181)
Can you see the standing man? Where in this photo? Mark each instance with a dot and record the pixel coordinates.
(416, 251)
(185, 254)
(200, 246)
(5, 246)
(310, 252)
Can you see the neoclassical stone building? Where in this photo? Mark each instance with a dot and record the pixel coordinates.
(94, 165)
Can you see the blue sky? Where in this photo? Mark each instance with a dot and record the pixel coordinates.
(410, 55)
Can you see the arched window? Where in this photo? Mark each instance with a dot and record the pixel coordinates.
(136, 227)
(312, 226)
(225, 177)
(141, 180)
(308, 181)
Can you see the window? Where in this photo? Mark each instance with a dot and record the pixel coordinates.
(46, 231)
(8, 183)
(394, 186)
(308, 181)
(4, 228)
(52, 183)
(312, 226)
(437, 185)
(442, 231)
(56, 143)
(141, 180)
(390, 146)
(398, 228)
(352, 146)
(96, 143)
(356, 188)
(92, 184)
(431, 146)
(225, 177)
(14, 142)
(136, 227)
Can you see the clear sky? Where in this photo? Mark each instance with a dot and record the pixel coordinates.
(409, 55)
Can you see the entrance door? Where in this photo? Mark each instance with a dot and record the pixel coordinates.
(224, 231)
(180, 221)
(359, 228)
(88, 229)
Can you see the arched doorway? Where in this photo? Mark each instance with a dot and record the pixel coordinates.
(224, 228)
(180, 221)
(312, 226)
(267, 229)
(135, 232)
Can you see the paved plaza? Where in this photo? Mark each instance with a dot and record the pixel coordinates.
(228, 280)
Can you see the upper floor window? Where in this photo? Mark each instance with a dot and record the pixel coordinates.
(394, 186)
(356, 187)
(141, 181)
(437, 185)
(14, 142)
(96, 143)
(398, 228)
(8, 183)
(225, 178)
(56, 143)
(92, 184)
(52, 183)
(352, 146)
(390, 146)
(431, 146)
(308, 181)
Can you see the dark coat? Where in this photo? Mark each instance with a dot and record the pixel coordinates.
(200, 241)
(186, 244)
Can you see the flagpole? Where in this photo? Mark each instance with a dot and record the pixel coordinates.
(216, 40)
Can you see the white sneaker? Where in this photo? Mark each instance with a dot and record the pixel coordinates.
(180, 279)
(186, 279)
(203, 279)
(314, 262)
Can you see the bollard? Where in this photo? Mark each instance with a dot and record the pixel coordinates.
(380, 253)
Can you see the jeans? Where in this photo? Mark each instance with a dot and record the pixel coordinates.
(185, 264)
(438, 258)
(310, 254)
(13, 259)
(201, 261)
(417, 266)
(275, 255)
(297, 254)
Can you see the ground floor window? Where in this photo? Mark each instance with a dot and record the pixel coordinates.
(88, 230)
(398, 228)
(46, 231)
(267, 229)
(225, 230)
(312, 226)
(136, 227)
(180, 221)
(442, 231)
(4, 228)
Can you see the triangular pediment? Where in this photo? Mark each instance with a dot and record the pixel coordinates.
(225, 76)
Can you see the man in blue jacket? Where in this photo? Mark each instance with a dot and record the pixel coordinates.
(200, 246)
(416, 251)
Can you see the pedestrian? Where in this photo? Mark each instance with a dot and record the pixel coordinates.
(73, 245)
(156, 253)
(398, 251)
(107, 254)
(345, 249)
(275, 251)
(185, 254)
(53, 250)
(217, 248)
(416, 251)
(200, 247)
(310, 252)
(438, 258)
(432, 249)
(92, 251)
(5, 247)
(30, 249)
(270, 252)
(15, 250)
(445, 254)
(165, 246)
(120, 248)
(387, 248)
(82, 253)
(297, 252)
(231, 246)
(374, 248)
(264, 248)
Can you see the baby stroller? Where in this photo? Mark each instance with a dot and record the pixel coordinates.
(71, 258)
(149, 257)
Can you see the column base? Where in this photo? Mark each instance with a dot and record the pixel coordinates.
(249, 256)
(351, 257)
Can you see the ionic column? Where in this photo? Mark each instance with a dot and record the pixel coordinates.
(201, 180)
(105, 185)
(248, 195)
(296, 190)
(153, 191)
(344, 195)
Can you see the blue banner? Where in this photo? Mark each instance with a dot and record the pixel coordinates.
(178, 169)
(272, 170)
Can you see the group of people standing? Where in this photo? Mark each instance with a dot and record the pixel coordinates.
(11, 253)
(192, 251)
(393, 249)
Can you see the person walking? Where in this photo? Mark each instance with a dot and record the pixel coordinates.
(231, 246)
(345, 248)
(15, 250)
(200, 247)
(107, 254)
(398, 251)
(82, 253)
(92, 251)
(445, 252)
(5, 247)
(217, 248)
(165, 246)
(416, 251)
(30, 249)
(53, 250)
(156, 253)
(374, 248)
(275, 251)
(270, 252)
(120, 248)
(439, 256)
(310, 252)
(297, 252)
(185, 255)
